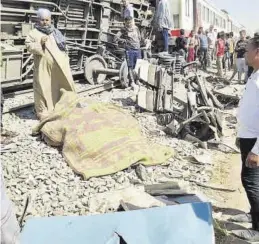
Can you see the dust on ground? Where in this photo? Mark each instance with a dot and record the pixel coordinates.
(226, 173)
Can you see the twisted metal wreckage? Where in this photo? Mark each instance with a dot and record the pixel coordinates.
(183, 103)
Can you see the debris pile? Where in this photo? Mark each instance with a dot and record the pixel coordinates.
(184, 104)
(230, 94)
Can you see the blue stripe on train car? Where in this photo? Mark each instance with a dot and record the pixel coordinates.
(178, 224)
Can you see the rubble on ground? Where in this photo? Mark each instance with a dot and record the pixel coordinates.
(32, 168)
(231, 93)
(56, 190)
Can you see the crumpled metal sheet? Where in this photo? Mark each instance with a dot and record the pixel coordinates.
(173, 224)
(230, 91)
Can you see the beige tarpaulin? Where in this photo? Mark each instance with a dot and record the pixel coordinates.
(98, 139)
(51, 72)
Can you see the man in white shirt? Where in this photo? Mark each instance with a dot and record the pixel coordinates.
(248, 134)
(212, 37)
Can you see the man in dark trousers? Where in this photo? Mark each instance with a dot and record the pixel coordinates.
(248, 134)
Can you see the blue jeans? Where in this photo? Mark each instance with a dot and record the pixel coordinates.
(165, 39)
(132, 56)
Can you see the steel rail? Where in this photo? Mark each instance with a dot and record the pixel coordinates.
(88, 91)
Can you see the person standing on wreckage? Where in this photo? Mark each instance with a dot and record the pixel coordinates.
(163, 22)
(51, 64)
(131, 39)
(248, 141)
(240, 49)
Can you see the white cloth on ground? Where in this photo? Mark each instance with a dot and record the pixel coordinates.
(248, 111)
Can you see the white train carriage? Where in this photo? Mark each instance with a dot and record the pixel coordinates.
(192, 14)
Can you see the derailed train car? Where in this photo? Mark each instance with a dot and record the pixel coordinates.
(85, 24)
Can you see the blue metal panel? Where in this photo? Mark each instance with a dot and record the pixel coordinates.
(178, 224)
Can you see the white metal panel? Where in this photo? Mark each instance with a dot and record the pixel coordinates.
(175, 10)
(187, 14)
(179, 7)
(174, 6)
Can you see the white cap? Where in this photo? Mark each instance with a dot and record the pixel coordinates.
(43, 13)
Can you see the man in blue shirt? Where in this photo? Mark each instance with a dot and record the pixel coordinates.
(204, 44)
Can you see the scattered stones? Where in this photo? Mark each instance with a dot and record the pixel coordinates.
(141, 172)
(58, 190)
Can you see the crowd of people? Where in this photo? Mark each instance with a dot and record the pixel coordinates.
(209, 45)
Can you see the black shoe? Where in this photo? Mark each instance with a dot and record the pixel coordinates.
(248, 235)
(241, 218)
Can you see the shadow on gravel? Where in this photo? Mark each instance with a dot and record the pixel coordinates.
(228, 211)
(227, 226)
(126, 102)
(223, 233)
(26, 113)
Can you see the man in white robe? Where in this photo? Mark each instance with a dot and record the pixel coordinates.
(51, 64)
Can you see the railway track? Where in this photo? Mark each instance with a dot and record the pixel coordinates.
(90, 90)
